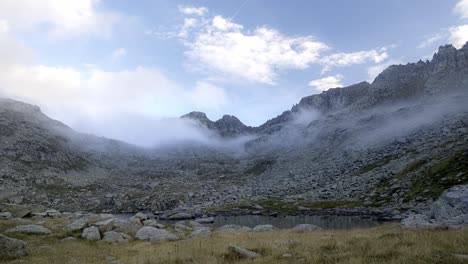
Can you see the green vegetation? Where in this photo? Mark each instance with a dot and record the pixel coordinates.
(432, 181)
(384, 244)
(371, 166)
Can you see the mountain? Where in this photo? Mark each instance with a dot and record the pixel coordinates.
(227, 126)
(393, 144)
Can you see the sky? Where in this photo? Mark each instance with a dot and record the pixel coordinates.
(121, 69)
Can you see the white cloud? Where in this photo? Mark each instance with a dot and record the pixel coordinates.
(327, 82)
(63, 18)
(458, 35)
(430, 40)
(3, 26)
(217, 46)
(462, 9)
(118, 53)
(192, 10)
(206, 95)
(360, 57)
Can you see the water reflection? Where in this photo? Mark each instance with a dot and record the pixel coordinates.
(284, 222)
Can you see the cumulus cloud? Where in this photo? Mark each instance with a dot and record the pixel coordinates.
(327, 82)
(218, 46)
(462, 9)
(63, 18)
(458, 35)
(192, 10)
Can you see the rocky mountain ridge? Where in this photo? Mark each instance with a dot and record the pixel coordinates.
(396, 144)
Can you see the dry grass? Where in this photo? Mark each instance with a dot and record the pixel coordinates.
(386, 244)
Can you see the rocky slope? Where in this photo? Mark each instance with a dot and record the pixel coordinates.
(396, 143)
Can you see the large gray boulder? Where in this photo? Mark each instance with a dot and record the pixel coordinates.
(91, 233)
(105, 225)
(305, 228)
(113, 237)
(129, 227)
(11, 248)
(154, 234)
(452, 206)
(206, 220)
(417, 221)
(30, 229)
(181, 216)
(77, 225)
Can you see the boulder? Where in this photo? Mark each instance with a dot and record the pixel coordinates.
(52, 213)
(30, 229)
(113, 237)
(233, 228)
(181, 216)
(154, 234)
(153, 223)
(452, 206)
(201, 232)
(242, 252)
(77, 225)
(5, 215)
(91, 233)
(264, 228)
(105, 225)
(305, 228)
(127, 226)
(417, 221)
(11, 248)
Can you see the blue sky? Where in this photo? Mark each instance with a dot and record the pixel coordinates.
(96, 64)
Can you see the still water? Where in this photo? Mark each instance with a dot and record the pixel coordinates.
(285, 222)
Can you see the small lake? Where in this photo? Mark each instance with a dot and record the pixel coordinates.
(288, 221)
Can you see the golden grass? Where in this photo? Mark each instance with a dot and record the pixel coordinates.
(385, 244)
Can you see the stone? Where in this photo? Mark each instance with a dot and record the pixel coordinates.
(113, 237)
(30, 229)
(6, 215)
(264, 228)
(233, 228)
(242, 252)
(417, 221)
(154, 234)
(206, 220)
(11, 247)
(153, 223)
(181, 216)
(201, 232)
(451, 206)
(305, 228)
(141, 216)
(77, 225)
(126, 226)
(91, 233)
(105, 225)
(69, 239)
(52, 213)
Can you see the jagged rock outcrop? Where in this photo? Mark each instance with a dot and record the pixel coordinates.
(227, 126)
